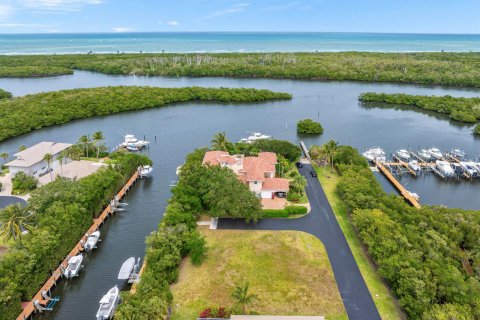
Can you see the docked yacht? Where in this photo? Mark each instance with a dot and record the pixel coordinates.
(254, 137)
(403, 155)
(92, 240)
(458, 154)
(129, 270)
(108, 304)
(132, 142)
(435, 153)
(145, 171)
(470, 168)
(374, 154)
(445, 168)
(425, 155)
(413, 164)
(73, 267)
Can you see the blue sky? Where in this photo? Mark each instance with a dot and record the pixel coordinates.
(411, 16)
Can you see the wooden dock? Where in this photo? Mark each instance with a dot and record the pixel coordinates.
(404, 192)
(28, 307)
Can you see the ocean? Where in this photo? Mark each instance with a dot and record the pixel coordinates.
(199, 42)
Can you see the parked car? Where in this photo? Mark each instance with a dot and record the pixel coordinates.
(313, 173)
(281, 194)
(299, 164)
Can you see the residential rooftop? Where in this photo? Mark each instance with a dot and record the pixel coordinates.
(35, 154)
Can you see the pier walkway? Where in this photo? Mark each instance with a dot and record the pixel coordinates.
(403, 191)
(28, 307)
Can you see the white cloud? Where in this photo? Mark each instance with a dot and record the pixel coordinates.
(173, 23)
(5, 11)
(25, 26)
(58, 5)
(123, 29)
(240, 7)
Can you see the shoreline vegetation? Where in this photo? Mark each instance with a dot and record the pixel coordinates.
(57, 215)
(460, 109)
(430, 257)
(27, 113)
(435, 68)
(5, 94)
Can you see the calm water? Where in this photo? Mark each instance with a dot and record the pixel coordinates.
(233, 42)
(183, 127)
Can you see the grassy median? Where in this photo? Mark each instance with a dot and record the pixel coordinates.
(381, 294)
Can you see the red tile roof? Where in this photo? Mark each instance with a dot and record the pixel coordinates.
(255, 168)
(269, 157)
(215, 157)
(275, 184)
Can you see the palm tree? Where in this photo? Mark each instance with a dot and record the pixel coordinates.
(219, 141)
(97, 137)
(241, 297)
(62, 155)
(299, 183)
(85, 140)
(48, 158)
(4, 156)
(13, 219)
(331, 149)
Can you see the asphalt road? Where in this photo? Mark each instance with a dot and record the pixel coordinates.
(322, 223)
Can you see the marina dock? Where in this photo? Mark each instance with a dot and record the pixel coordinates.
(29, 307)
(403, 191)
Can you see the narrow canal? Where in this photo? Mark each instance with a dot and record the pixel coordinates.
(175, 130)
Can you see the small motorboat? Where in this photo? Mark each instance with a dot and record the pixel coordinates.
(108, 304)
(435, 153)
(403, 155)
(129, 270)
(413, 164)
(73, 267)
(458, 154)
(254, 137)
(92, 240)
(132, 148)
(445, 168)
(146, 171)
(425, 155)
(414, 195)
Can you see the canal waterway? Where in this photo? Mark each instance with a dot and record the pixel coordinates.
(175, 130)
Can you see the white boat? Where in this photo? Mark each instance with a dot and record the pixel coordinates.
(425, 155)
(254, 137)
(414, 195)
(470, 168)
(92, 240)
(132, 148)
(146, 171)
(413, 164)
(458, 154)
(375, 154)
(129, 270)
(435, 153)
(108, 304)
(403, 155)
(444, 168)
(131, 141)
(73, 267)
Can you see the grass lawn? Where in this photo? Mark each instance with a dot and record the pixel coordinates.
(381, 294)
(289, 271)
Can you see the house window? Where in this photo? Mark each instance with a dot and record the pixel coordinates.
(254, 182)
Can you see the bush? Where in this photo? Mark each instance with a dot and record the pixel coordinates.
(5, 94)
(476, 130)
(293, 197)
(22, 183)
(282, 148)
(198, 248)
(285, 212)
(308, 126)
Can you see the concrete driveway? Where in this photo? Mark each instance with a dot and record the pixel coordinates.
(322, 223)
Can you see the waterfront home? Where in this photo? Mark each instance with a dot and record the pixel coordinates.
(30, 161)
(256, 172)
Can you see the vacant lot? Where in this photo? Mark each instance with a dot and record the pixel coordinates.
(289, 272)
